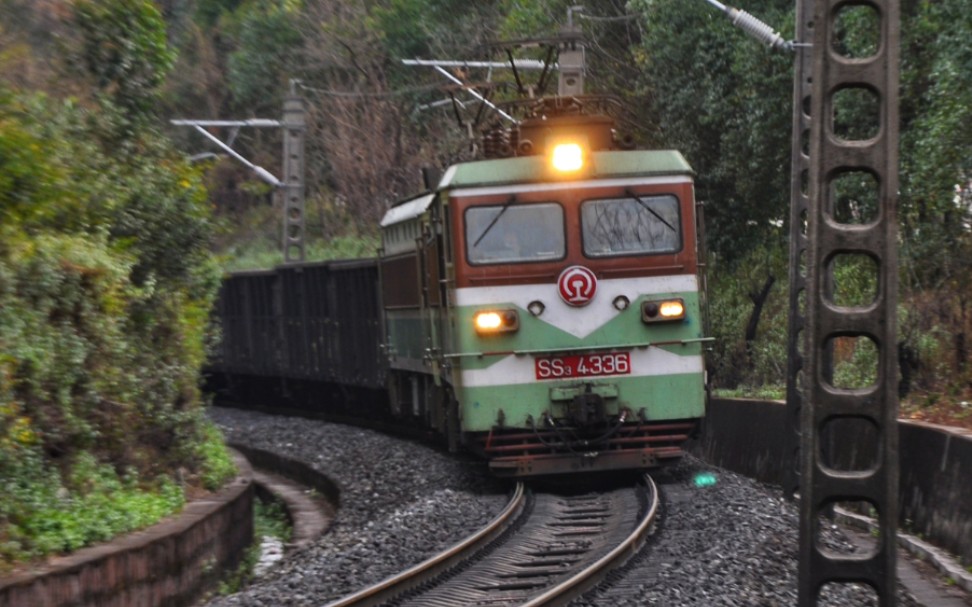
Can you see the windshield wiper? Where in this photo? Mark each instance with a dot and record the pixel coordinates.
(506, 205)
(650, 210)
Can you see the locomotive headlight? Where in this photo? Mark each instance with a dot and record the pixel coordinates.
(489, 322)
(672, 309)
(664, 310)
(567, 157)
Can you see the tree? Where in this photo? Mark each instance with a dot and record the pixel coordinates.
(266, 55)
(725, 102)
(106, 283)
(125, 50)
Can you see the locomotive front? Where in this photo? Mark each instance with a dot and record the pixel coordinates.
(574, 340)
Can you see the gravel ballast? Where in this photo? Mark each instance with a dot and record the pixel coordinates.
(728, 541)
(733, 542)
(401, 502)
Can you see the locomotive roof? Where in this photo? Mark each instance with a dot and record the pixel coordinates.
(524, 169)
(407, 209)
(532, 169)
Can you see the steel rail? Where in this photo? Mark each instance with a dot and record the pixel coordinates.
(390, 587)
(580, 582)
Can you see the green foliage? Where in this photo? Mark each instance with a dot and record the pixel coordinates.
(937, 146)
(238, 579)
(61, 326)
(269, 520)
(855, 363)
(763, 392)
(105, 289)
(267, 254)
(408, 29)
(734, 364)
(23, 175)
(216, 466)
(531, 19)
(724, 102)
(266, 57)
(208, 12)
(91, 505)
(395, 22)
(125, 50)
(102, 506)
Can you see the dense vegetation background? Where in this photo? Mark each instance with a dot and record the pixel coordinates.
(105, 273)
(689, 80)
(106, 281)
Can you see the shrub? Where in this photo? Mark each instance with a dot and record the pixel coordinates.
(106, 282)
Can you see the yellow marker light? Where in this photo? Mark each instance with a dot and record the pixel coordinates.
(496, 321)
(567, 157)
(488, 321)
(664, 310)
(672, 309)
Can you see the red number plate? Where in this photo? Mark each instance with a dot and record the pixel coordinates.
(583, 365)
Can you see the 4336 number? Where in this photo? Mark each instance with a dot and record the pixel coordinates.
(583, 365)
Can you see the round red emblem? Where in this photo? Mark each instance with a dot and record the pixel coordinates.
(577, 285)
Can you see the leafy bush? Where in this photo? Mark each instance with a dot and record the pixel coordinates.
(98, 506)
(267, 254)
(932, 327)
(736, 364)
(215, 465)
(124, 50)
(106, 283)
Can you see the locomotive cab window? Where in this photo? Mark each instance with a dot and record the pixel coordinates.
(634, 225)
(512, 232)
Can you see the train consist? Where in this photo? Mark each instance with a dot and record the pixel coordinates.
(540, 309)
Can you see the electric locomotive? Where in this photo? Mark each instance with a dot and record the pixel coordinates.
(542, 309)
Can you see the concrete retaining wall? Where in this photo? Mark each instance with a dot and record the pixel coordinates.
(294, 470)
(169, 564)
(747, 436)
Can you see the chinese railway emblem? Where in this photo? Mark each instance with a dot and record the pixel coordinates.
(577, 285)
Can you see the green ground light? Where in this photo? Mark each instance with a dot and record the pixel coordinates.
(705, 479)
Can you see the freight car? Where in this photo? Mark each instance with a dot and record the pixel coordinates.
(541, 309)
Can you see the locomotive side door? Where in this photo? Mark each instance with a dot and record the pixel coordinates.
(435, 265)
(434, 301)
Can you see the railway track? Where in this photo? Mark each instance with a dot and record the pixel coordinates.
(543, 549)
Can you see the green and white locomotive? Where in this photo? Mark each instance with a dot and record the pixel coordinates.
(543, 309)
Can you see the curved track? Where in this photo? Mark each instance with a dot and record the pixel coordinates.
(387, 589)
(556, 548)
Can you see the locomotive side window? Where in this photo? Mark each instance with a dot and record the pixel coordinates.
(635, 225)
(514, 233)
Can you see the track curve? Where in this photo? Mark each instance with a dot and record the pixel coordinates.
(385, 590)
(557, 548)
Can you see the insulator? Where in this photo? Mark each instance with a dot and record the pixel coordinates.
(495, 143)
(757, 29)
(488, 143)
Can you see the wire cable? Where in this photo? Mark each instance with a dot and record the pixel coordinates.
(621, 18)
(370, 95)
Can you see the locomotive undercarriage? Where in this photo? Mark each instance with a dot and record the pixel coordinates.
(579, 437)
(558, 446)
(416, 396)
